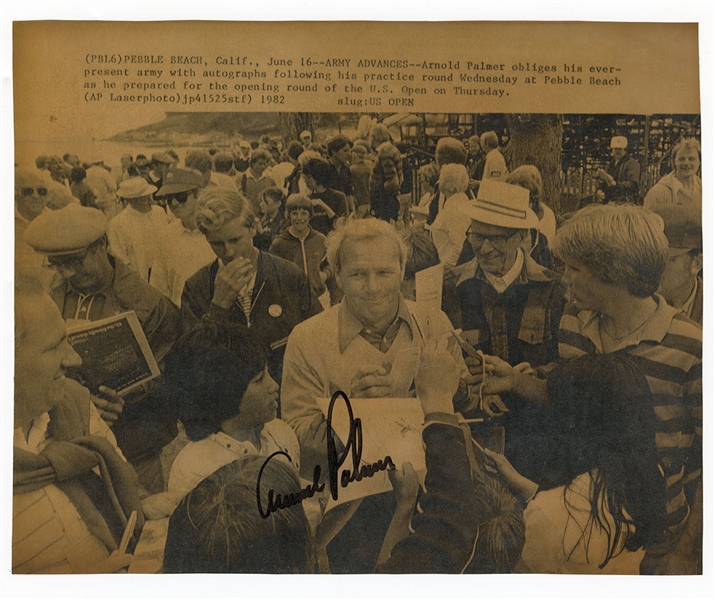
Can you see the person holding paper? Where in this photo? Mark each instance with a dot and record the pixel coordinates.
(68, 515)
(217, 529)
(366, 346)
(92, 284)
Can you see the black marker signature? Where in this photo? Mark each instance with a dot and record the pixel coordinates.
(276, 501)
(353, 446)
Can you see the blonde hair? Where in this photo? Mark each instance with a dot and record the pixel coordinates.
(218, 205)
(358, 230)
(453, 179)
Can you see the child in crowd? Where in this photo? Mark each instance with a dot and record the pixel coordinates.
(302, 245)
(228, 404)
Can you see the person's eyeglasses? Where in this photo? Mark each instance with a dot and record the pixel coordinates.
(179, 198)
(498, 241)
(73, 262)
(28, 191)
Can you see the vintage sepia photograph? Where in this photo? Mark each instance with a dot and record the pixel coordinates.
(310, 308)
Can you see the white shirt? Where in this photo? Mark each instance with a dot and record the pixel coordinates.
(198, 460)
(49, 536)
(500, 284)
(133, 237)
(179, 254)
(494, 165)
(449, 229)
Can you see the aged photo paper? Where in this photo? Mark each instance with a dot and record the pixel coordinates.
(89, 94)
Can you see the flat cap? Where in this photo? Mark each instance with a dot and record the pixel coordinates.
(162, 157)
(66, 231)
(180, 180)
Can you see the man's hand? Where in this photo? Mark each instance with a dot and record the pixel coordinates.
(231, 280)
(493, 406)
(109, 404)
(497, 374)
(371, 381)
(437, 379)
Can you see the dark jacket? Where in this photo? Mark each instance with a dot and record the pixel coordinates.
(282, 298)
(627, 173)
(307, 254)
(446, 528)
(519, 325)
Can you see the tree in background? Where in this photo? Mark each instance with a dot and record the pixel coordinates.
(292, 124)
(535, 139)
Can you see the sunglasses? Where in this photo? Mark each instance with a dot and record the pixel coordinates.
(28, 191)
(179, 198)
(73, 262)
(498, 241)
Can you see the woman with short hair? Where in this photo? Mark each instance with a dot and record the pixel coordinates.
(449, 229)
(683, 184)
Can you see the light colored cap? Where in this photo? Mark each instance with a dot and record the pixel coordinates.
(503, 205)
(162, 157)
(135, 187)
(619, 141)
(244, 144)
(66, 231)
(305, 133)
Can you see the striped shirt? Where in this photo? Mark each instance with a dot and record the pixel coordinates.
(668, 349)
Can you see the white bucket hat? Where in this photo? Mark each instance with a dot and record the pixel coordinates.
(135, 187)
(503, 205)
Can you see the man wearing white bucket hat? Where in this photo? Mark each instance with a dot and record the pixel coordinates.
(511, 306)
(619, 182)
(133, 234)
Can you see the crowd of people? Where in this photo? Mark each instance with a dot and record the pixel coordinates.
(560, 382)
